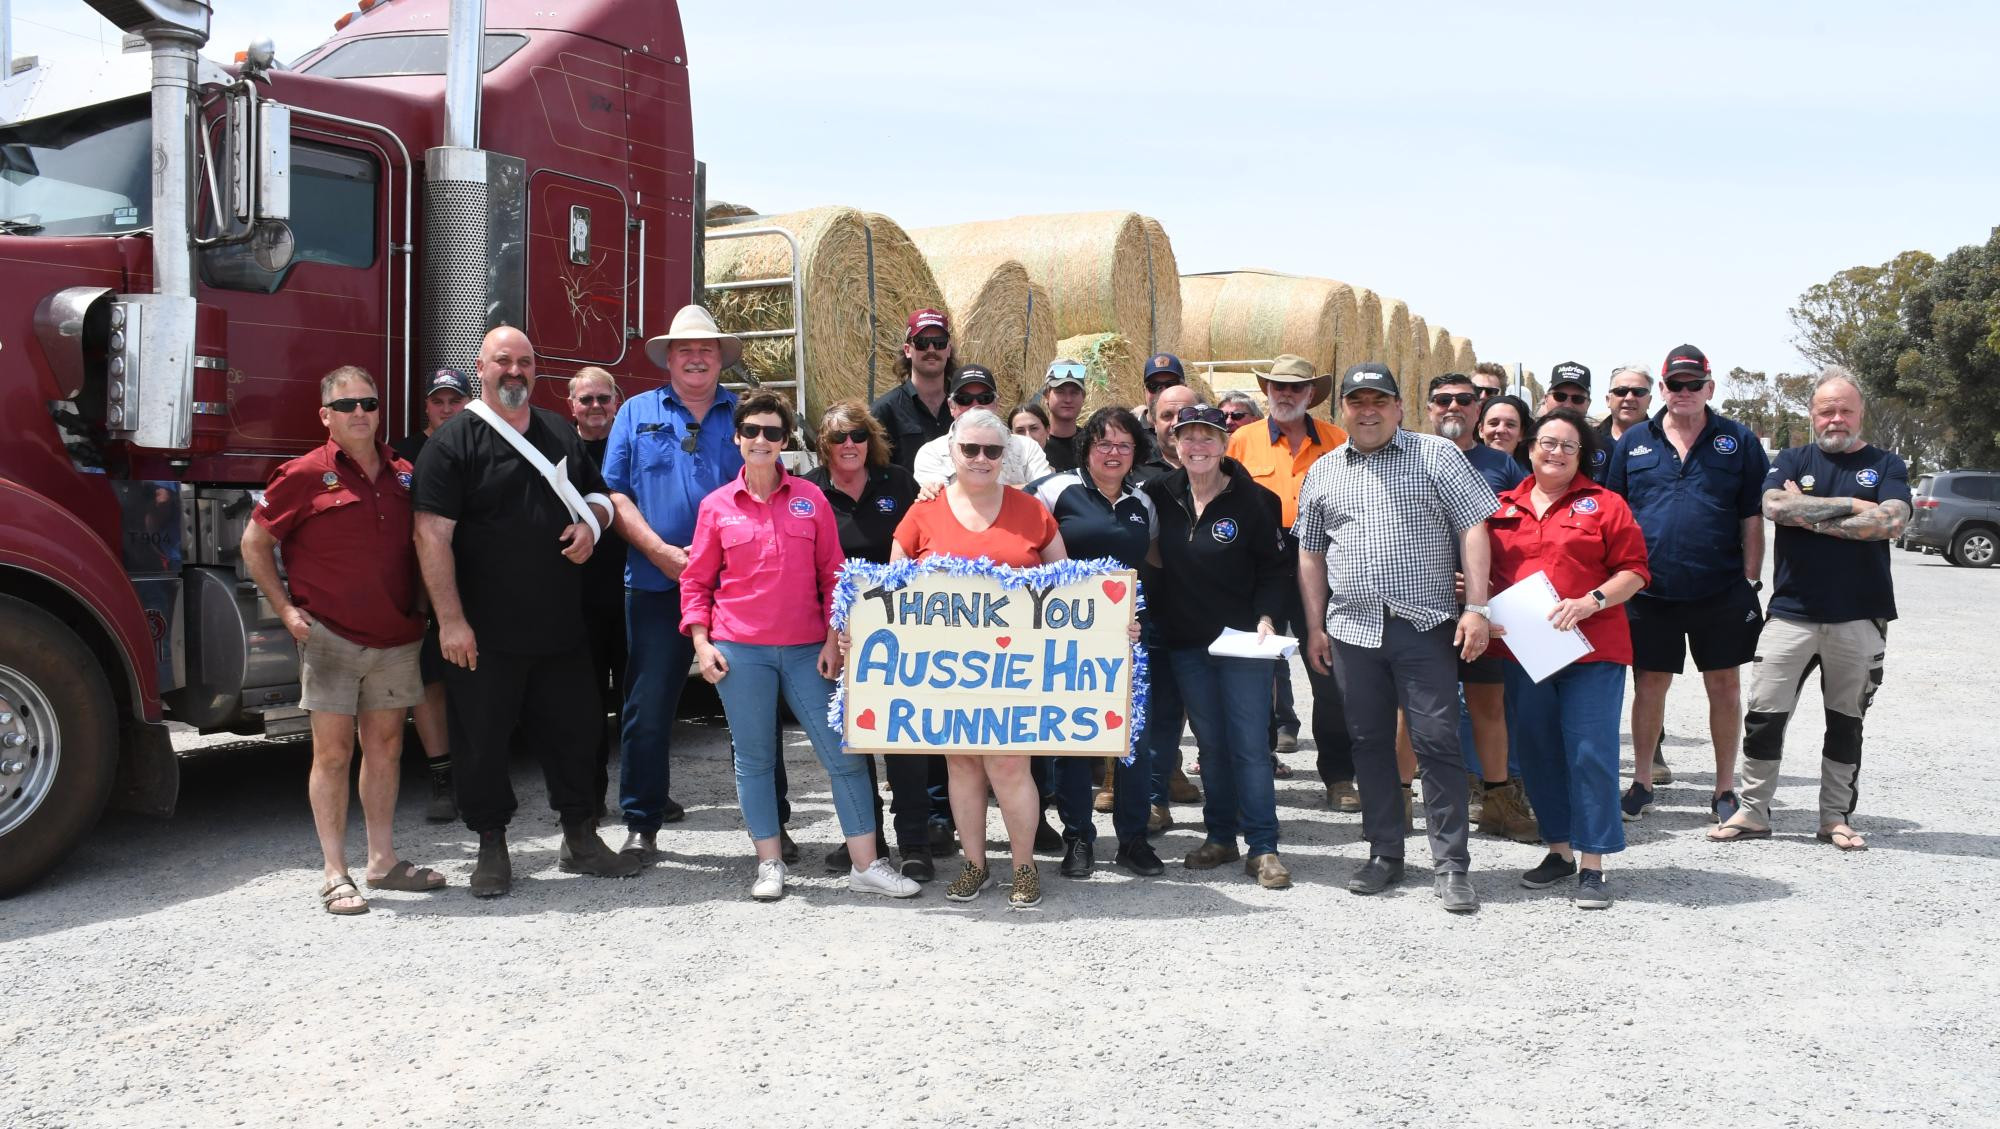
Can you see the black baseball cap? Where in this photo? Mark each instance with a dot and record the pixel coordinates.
(1369, 376)
(448, 379)
(1569, 372)
(1685, 361)
(973, 374)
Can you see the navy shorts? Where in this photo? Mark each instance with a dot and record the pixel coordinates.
(1720, 630)
(1486, 670)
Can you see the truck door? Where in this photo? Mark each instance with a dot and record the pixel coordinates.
(579, 297)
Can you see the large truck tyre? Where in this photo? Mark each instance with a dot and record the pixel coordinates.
(58, 742)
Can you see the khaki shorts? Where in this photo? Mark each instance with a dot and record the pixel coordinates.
(339, 676)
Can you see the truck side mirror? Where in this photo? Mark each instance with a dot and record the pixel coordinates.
(260, 158)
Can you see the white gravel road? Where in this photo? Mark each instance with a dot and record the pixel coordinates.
(181, 972)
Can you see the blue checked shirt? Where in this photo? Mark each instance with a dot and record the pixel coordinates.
(1389, 522)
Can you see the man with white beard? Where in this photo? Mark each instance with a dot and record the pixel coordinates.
(1837, 502)
(502, 555)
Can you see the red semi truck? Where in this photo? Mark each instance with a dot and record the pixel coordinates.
(182, 267)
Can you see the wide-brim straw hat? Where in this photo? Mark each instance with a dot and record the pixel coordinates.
(693, 323)
(1289, 368)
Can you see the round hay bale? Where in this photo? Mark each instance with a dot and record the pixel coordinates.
(1163, 274)
(1444, 358)
(1000, 319)
(1198, 294)
(1415, 376)
(724, 210)
(1114, 374)
(1463, 359)
(843, 332)
(1394, 347)
(1093, 265)
(1258, 315)
(1368, 328)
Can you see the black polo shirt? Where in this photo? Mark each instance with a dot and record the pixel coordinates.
(409, 447)
(868, 524)
(604, 572)
(1822, 579)
(520, 594)
(1064, 454)
(1095, 526)
(909, 423)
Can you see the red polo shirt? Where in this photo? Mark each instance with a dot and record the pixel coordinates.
(1582, 540)
(350, 559)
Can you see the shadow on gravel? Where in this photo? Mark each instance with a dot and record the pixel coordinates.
(1680, 886)
(1961, 844)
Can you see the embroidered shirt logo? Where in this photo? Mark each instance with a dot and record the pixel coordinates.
(1641, 449)
(1806, 482)
(886, 505)
(1583, 506)
(1725, 444)
(403, 479)
(1868, 477)
(801, 507)
(330, 479)
(1224, 530)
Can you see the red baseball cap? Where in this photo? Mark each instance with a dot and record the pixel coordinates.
(928, 319)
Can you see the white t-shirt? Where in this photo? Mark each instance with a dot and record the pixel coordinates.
(1023, 463)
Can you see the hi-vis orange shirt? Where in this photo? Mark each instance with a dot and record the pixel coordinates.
(1269, 458)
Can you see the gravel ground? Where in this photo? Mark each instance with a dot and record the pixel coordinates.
(181, 973)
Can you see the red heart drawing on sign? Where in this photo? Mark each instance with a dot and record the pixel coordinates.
(1112, 720)
(1003, 640)
(1114, 590)
(865, 719)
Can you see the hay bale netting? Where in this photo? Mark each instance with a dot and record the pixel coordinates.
(1258, 315)
(834, 244)
(1463, 359)
(1418, 363)
(1394, 348)
(1163, 274)
(1368, 328)
(1198, 294)
(1114, 373)
(1093, 264)
(1000, 319)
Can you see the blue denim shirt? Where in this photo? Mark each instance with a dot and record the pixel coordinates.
(647, 460)
(1691, 511)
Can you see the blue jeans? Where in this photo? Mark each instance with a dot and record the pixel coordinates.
(1566, 731)
(1131, 789)
(1166, 720)
(749, 693)
(1228, 704)
(656, 668)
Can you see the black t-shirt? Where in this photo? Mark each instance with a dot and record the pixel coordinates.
(868, 524)
(604, 572)
(409, 447)
(910, 425)
(1823, 579)
(520, 593)
(1062, 453)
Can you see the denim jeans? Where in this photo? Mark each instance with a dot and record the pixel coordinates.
(656, 668)
(749, 693)
(1166, 720)
(1131, 789)
(1228, 704)
(1566, 728)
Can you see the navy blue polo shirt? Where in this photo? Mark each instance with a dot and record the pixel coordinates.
(1095, 526)
(1691, 510)
(666, 461)
(868, 523)
(1497, 467)
(1822, 579)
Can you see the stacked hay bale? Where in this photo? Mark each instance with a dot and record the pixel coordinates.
(1394, 347)
(1094, 266)
(1259, 315)
(1444, 358)
(1114, 373)
(1163, 274)
(1001, 319)
(1198, 295)
(1464, 359)
(853, 318)
(1415, 376)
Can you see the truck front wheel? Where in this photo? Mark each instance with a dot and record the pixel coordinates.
(58, 742)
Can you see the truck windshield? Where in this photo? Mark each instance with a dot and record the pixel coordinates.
(82, 172)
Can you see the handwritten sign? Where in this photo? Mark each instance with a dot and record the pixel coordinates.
(967, 657)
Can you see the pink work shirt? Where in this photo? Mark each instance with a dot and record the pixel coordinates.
(762, 572)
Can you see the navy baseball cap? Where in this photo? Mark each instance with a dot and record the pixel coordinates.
(1165, 362)
(1569, 372)
(1370, 376)
(446, 379)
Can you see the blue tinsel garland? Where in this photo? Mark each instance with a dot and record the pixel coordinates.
(857, 576)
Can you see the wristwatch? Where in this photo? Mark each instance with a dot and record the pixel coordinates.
(1756, 586)
(1481, 609)
(1598, 595)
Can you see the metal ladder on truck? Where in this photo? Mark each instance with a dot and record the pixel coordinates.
(800, 454)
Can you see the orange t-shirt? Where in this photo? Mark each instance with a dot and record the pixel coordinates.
(1016, 538)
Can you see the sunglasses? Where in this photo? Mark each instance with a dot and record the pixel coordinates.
(1213, 417)
(1158, 385)
(1065, 374)
(1446, 399)
(1685, 385)
(593, 401)
(1577, 398)
(1486, 393)
(1624, 391)
(1234, 416)
(967, 399)
(770, 431)
(931, 343)
(349, 403)
(691, 439)
(858, 436)
(989, 450)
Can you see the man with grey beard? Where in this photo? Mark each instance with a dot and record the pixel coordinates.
(502, 554)
(1837, 502)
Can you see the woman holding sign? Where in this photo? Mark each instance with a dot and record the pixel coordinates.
(756, 598)
(1582, 537)
(975, 516)
(1223, 564)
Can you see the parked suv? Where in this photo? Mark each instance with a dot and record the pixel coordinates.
(1957, 513)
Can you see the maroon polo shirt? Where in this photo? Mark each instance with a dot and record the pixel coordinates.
(350, 557)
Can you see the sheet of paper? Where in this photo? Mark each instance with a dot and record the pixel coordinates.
(1536, 644)
(1234, 644)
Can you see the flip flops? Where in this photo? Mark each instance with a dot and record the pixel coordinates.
(338, 890)
(409, 877)
(1844, 837)
(1737, 832)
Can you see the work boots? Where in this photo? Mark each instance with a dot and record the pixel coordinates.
(1107, 795)
(443, 805)
(584, 853)
(493, 874)
(1505, 814)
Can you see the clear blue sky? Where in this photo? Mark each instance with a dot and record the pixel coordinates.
(1555, 181)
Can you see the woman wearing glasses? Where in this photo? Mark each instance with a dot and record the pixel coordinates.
(1222, 565)
(976, 515)
(1560, 522)
(870, 495)
(756, 598)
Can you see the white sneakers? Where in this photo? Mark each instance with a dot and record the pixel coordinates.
(882, 878)
(770, 883)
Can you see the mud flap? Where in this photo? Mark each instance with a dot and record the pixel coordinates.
(149, 774)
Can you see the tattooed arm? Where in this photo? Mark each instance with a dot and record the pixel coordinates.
(1877, 521)
(1787, 506)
